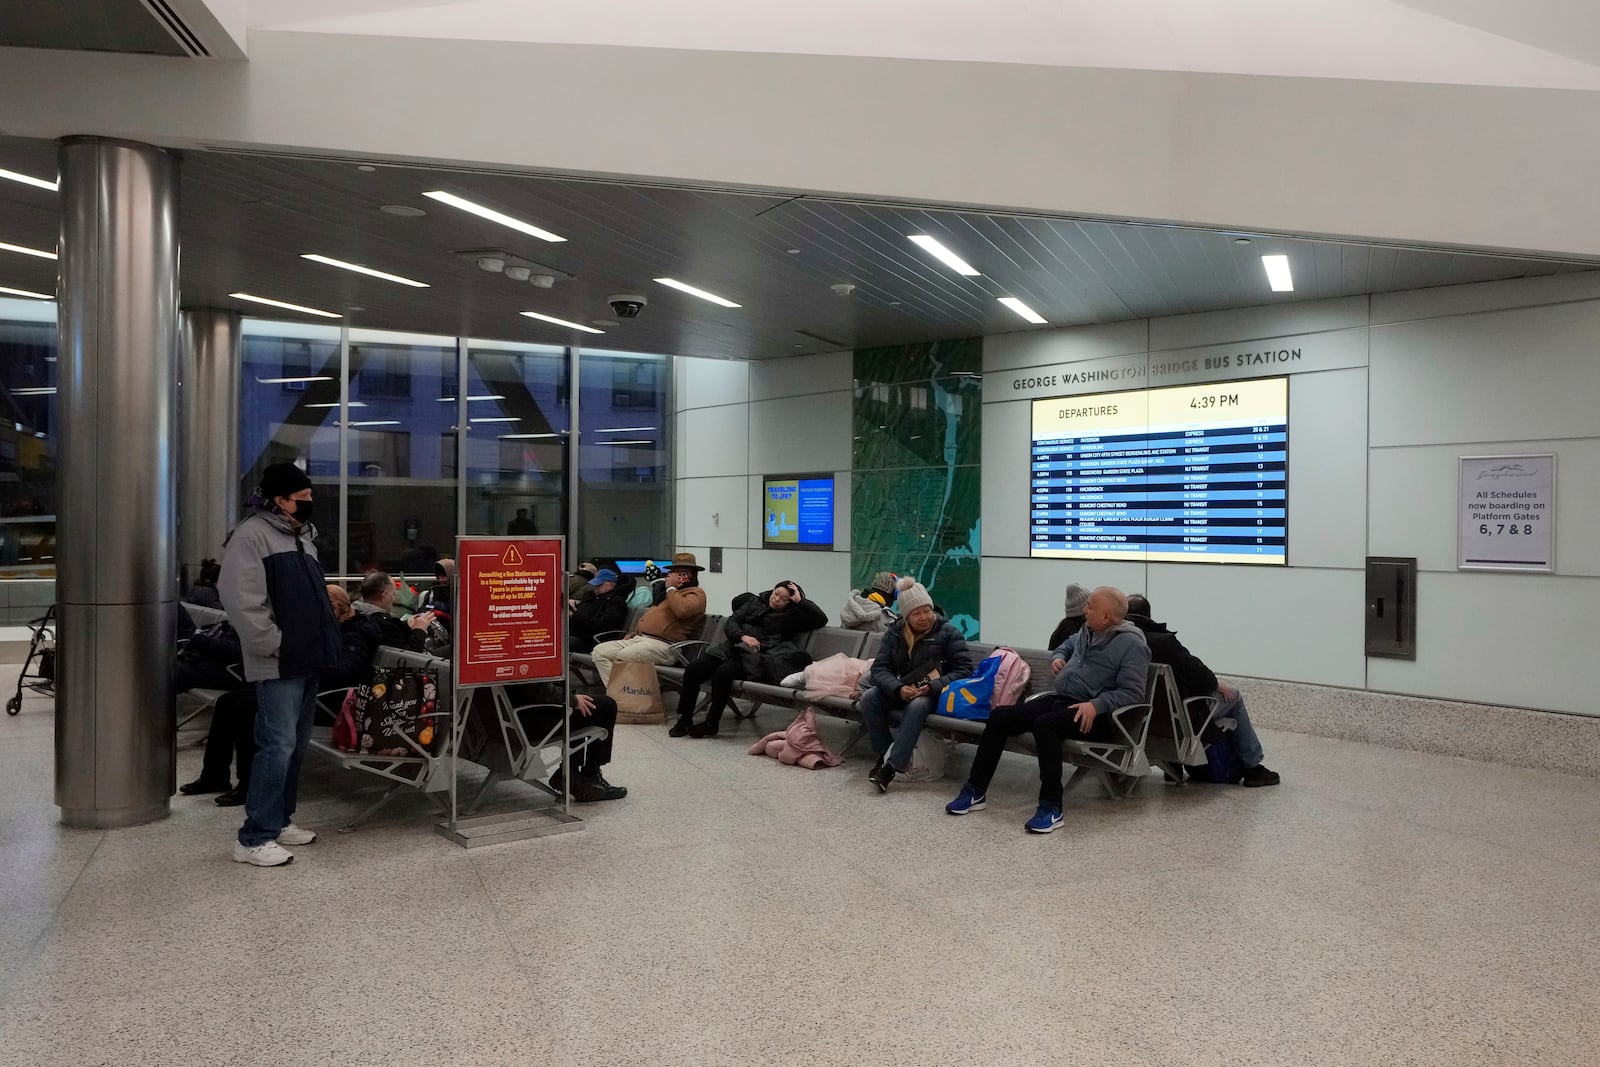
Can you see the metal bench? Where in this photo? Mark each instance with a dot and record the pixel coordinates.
(196, 702)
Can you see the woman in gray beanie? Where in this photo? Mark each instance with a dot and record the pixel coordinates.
(1077, 597)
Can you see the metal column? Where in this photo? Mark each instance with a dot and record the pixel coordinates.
(117, 559)
(208, 478)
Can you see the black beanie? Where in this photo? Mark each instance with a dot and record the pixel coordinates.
(282, 479)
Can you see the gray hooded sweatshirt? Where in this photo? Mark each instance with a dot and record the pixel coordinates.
(1111, 669)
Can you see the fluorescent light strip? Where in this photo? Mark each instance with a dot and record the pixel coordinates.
(1278, 275)
(353, 403)
(499, 418)
(628, 429)
(493, 216)
(944, 255)
(24, 292)
(1023, 309)
(359, 269)
(561, 322)
(641, 442)
(481, 396)
(527, 436)
(292, 381)
(377, 422)
(20, 249)
(683, 287)
(287, 307)
(28, 179)
(43, 390)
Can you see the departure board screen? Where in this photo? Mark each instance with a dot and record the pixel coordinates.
(1191, 473)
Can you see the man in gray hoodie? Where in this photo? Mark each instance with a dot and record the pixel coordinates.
(1107, 668)
(276, 597)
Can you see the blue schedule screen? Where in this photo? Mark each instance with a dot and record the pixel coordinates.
(1195, 473)
(799, 511)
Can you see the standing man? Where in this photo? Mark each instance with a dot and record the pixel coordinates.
(276, 597)
(1108, 668)
(676, 618)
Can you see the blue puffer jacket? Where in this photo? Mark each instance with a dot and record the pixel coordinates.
(1110, 669)
(276, 597)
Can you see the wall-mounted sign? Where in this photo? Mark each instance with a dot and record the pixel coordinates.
(1507, 511)
(511, 610)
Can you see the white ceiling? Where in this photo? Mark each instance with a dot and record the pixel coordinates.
(1518, 43)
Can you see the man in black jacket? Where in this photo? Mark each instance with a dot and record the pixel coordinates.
(377, 601)
(1195, 679)
(761, 646)
(605, 611)
(916, 660)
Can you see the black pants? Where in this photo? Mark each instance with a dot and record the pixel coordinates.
(233, 734)
(597, 754)
(1050, 717)
(721, 672)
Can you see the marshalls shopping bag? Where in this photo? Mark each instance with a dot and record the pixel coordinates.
(637, 691)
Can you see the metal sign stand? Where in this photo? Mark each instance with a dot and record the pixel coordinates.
(536, 821)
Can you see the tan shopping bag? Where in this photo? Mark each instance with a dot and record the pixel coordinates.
(637, 691)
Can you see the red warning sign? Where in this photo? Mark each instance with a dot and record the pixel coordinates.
(510, 610)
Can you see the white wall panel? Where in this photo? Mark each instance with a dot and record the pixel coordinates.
(712, 442)
(1488, 377)
(1036, 348)
(1295, 624)
(1414, 491)
(721, 588)
(801, 375)
(1328, 469)
(1006, 478)
(1518, 639)
(1248, 324)
(1023, 599)
(798, 434)
(703, 383)
(714, 511)
(1484, 296)
(825, 576)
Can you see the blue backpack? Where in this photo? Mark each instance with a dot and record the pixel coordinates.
(972, 696)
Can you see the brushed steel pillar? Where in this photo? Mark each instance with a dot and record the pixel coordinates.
(208, 405)
(116, 560)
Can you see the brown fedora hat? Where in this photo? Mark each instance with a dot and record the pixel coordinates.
(684, 561)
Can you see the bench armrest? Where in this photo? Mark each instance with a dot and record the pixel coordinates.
(1119, 717)
(681, 650)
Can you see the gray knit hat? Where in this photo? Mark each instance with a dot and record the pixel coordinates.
(913, 597)
(1077, 597)
(883, 582)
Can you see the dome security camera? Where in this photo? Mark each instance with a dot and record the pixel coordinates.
(627, 305)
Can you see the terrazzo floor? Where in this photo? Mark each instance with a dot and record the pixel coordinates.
(1380, 907)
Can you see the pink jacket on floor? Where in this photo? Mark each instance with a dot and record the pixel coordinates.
(800, 743)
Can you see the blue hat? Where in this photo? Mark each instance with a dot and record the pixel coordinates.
(604, 575)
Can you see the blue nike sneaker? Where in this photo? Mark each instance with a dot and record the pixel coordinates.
(969, 800)
(1044, 820)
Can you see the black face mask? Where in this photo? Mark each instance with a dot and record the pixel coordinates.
(301, 512)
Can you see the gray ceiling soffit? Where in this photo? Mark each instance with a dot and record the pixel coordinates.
(148, 27)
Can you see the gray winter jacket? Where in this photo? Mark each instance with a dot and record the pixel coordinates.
(276, 597)
(865, 614)
(1111, 669)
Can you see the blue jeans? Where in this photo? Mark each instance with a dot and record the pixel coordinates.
(894, 746)
(1246, 745)
(284, 710)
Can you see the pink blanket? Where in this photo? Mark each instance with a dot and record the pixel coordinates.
(799, 744)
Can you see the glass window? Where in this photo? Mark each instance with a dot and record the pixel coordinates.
(624, 501)
(27, 438)
(517, 438)
(289, 411)
(402, 451)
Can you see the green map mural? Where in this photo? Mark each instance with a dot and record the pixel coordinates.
(914, 496)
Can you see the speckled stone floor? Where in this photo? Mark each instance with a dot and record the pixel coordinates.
(1379, 908)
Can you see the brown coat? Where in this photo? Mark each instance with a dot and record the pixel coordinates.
(678, 617)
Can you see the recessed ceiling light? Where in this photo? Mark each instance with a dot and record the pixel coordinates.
(1241, 240)
(293, 381)
(328, 261)
(43, 390)
(944, 255)
(405, 211)
(792, 251)
(365, 168)
(23, 250)
(492, 215)
(1023, 309)
(24, 292)
(561, 322)
(1278, 275)
(280, 304)
(682, 287)
(28, 179)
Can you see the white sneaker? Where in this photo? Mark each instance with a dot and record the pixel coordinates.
(296, 835)
(270, 854)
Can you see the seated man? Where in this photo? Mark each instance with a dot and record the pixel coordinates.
(1195, 679)
(676, 618)
(377, 593)
(915, 661)
(868, 610)
(588, 784)
(604, 611)
(1106, 667)
(762, 634)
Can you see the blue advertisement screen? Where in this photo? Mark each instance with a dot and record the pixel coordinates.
(798, 512)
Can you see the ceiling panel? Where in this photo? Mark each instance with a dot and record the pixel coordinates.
(246, 220)
(86, 25)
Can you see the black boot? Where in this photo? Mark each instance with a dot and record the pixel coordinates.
(682, 727)
(591, 786)
(704, 729)
(882, 776)
(232, 798)
(203, 785)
